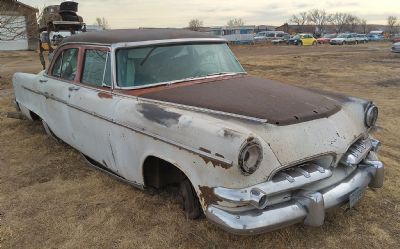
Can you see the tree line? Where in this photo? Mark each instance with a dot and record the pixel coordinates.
(341, 21)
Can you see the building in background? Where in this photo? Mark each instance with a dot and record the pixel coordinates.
(18, 26)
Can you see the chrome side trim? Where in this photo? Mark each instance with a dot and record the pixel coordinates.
(136, 129)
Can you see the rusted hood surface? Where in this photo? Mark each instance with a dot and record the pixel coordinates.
(278, 103)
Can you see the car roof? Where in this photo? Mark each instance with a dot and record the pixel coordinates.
(135, 35)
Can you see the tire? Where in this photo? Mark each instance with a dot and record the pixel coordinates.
(190, 202)
(300, 43)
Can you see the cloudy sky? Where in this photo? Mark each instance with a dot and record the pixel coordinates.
(174, 13)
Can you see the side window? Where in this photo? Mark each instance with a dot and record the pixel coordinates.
(65, 64)
(97, 68)
(56, 71)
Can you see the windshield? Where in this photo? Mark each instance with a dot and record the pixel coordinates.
(163, 64)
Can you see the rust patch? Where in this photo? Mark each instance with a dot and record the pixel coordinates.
(104, 95)
(215, 162)
(208, 196)
(205, 150)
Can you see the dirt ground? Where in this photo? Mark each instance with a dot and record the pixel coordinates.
(49, 198)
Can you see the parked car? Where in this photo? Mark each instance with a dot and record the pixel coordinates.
(154, 107)
(61, 17)
(344, 39)
(375, 37)
(396, 39)
(265, 36)
(326, 38)
(282, 39)
(361, 38)
(396, 47)
(302, 40)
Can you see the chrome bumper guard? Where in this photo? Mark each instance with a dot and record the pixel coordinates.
(306, 207)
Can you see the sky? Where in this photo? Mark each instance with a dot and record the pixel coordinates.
(177, 14)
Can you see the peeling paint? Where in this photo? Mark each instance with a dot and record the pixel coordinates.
(215, 163)
(104, 95)
(207, 196)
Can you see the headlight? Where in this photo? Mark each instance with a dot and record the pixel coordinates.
(250, 156)
(371, 115)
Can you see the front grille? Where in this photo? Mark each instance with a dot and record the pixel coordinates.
(357, 152)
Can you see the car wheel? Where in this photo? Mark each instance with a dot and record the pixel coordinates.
(300, 43)
(190, 202)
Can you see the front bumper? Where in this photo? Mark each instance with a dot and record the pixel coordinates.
(305, 206)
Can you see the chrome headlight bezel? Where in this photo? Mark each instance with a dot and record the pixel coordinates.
(250, 156)
(371, 115)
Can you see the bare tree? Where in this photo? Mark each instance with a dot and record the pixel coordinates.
(300, 20)
(13, 26)
(236, 22)
(195, 24)
(319, 18)
(392, 24)
(102, 22)
(353, 22)
(339, 20)
(364, 26)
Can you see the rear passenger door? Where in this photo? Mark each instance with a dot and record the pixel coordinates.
(94, 103)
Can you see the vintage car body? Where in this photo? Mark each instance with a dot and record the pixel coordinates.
(258, 154)
(61, 17)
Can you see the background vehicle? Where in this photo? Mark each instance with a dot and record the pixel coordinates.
(61, 17)
(265, 36)
(326, 38)
(361, 38)
(375, 37)
(396, 39)
(396, 47)
(303, 40)
(343, 39)
(283, 39)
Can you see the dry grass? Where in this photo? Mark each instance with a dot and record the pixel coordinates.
(50, 199)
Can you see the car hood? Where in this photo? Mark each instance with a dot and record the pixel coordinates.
(277, 103)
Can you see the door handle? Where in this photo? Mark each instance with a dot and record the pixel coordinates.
(42, 80)
(73, 88)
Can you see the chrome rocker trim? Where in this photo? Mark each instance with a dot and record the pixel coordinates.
(306, 207)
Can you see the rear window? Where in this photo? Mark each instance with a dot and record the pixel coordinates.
(96, 68)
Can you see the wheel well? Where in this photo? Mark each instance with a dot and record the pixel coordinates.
(158, 173)
(34, 116)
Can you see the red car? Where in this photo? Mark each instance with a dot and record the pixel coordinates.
(396, 39)
(326, 38)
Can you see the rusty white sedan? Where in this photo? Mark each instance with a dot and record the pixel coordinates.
(160, 107)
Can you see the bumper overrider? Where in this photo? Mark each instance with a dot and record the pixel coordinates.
(290, 198)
